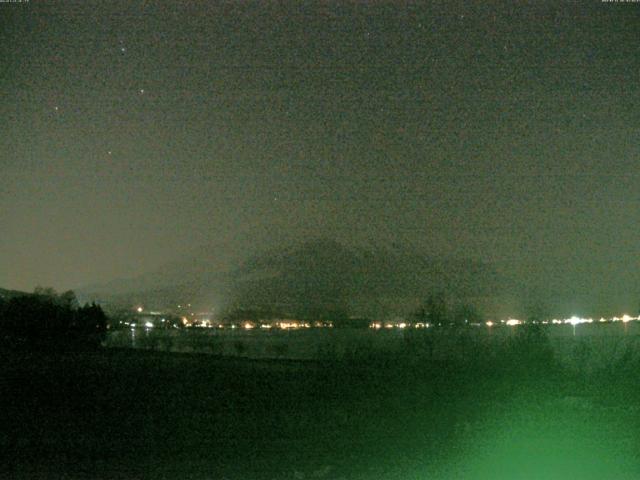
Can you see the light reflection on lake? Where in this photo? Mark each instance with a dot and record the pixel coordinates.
(596, 342)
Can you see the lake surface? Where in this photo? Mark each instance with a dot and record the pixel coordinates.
(584, 344)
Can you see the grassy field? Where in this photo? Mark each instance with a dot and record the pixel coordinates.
(140, 414)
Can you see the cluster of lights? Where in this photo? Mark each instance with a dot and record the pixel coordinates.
(291, 324)
(577, 320)
(401, 325)
(624, 318)
(249, 325)
(574, 320)
(511, 322)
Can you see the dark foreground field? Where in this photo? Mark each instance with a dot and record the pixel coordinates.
(134, 414)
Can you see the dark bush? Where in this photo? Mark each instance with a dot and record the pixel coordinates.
(530, 348)
(51, 321)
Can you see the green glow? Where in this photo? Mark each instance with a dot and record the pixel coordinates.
(562, 439)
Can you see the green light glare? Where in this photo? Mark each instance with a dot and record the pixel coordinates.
(567, 438)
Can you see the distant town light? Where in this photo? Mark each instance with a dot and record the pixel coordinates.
(139, 309)
(148, 324)
(577, 320)
(573, 320)
(489, 323)
(512, 322)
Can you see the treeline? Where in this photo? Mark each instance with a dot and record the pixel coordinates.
(437, 311)
(46, 319)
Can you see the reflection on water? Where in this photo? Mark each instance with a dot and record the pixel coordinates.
(274, 343)
(597, 342)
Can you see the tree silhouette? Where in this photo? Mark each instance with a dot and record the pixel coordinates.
(466, 314)
(435, 310)
(91, 324)
(47, 320)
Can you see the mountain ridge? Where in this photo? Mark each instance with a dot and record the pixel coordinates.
(312, 274)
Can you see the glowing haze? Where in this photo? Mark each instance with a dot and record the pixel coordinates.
(132, 135)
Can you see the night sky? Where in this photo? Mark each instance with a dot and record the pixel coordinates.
(135, 132)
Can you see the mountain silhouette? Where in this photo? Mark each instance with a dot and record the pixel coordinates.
(308, 278)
